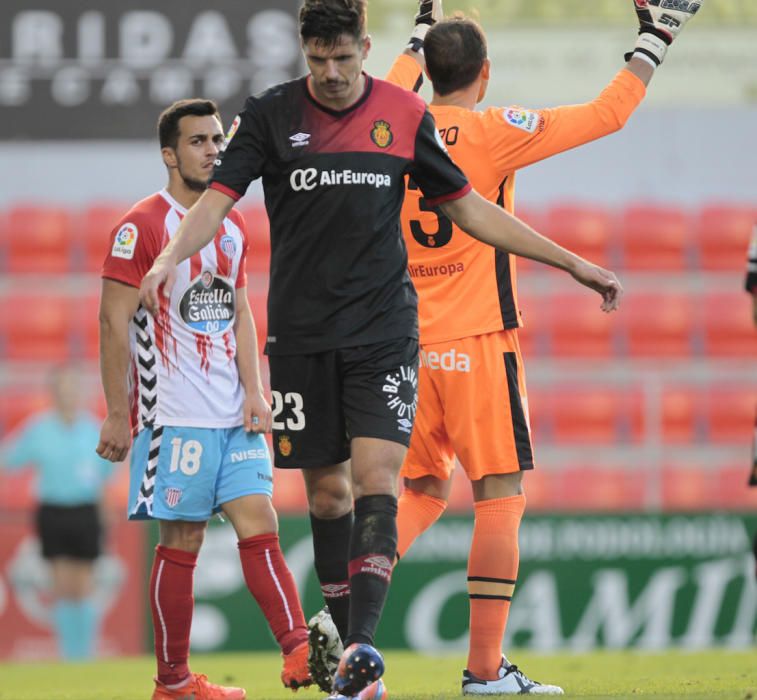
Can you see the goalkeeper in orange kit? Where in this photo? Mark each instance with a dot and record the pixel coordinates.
(476, 408)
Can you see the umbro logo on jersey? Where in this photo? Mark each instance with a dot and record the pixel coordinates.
(299, 139)
(309, 178)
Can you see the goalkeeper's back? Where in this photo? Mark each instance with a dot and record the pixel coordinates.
(466, 287)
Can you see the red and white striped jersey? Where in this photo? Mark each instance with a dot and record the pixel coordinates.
(183, 368)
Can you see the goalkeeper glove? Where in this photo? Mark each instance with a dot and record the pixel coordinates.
(660, 21)
(429, 12)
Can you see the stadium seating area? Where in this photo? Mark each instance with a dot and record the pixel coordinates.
(651, 407)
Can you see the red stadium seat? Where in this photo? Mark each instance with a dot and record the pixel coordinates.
(36, 327)
(724, 232)
(19, 403)
(39, 239)
(688, 488)
(98, 222)
(728, 326)
(654, 238)
(533, 335)
(579, 328)
(259, 253)
(730, 413)
(605, 488)
(593, 415)
(681, 415)
(583, 229)
(658, 325)
(733, 491)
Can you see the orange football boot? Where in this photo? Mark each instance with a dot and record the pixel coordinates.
(197, 688)
(296, 673)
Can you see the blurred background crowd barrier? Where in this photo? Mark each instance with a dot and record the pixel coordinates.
(640, 518)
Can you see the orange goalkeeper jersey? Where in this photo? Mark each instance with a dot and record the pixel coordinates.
(466, 287)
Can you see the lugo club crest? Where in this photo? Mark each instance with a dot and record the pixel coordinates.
(208, 305)
(381, 134)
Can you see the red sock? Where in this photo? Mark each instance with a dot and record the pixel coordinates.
(272, 585)
(492, 570)
(172, 602)
(416, 513)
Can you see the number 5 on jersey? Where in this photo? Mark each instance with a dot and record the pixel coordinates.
(294, 403)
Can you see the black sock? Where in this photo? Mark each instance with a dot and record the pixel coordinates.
(372, 551)
(331, 550)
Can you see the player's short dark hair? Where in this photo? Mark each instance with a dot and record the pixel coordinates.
(326, 20)
(168, 121)
(455, 51)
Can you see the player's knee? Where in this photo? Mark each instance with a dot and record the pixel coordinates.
(183, 535)
(330, 500)
(498, 486)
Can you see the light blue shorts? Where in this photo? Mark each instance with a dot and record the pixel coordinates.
(189, 473)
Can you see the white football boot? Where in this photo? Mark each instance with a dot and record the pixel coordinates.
(510, 681)
(325, 649)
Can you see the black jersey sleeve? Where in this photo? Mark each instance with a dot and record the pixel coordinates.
(751, 268)
(244, 153)
(432, 169)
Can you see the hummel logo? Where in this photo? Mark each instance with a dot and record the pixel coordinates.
(299, 139)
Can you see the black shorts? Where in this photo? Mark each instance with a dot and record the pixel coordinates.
(322, 401)
(69, 531)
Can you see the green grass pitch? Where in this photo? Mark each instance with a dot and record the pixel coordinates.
(706, 675)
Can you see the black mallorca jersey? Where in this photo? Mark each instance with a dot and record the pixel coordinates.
(751, 269)
(334, 185)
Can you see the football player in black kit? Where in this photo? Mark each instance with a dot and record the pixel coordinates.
(333, 148)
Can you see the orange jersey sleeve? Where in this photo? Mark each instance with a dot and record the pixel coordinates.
(405, 72)
(520, 137)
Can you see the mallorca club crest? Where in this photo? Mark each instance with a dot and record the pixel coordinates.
(381, 134)
(285, 445)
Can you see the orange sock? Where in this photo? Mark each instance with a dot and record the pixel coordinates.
(492, 570)
(417, 512)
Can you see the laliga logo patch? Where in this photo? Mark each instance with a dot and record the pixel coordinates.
(522, 118)
(125, 242)
(381, 134)
(232, 130)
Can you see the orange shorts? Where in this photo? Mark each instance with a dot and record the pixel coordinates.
(471, 403)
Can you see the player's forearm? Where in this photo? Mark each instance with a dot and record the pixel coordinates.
(406, 70)
(642, 69)
(114, 364)
(198, 227)
(248, 362)
(492, 225)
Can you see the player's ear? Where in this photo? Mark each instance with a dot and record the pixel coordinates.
(486, 69)
(366, 45)
(169, 157)
(484, 84)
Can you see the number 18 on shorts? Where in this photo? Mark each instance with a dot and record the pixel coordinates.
(182, 473)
